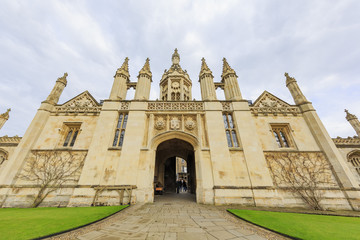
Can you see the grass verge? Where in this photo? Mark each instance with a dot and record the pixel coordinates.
(28, 223)
(303, 226)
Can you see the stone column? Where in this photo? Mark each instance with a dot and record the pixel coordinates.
(144, 82)
(121, 78)
(206, 80)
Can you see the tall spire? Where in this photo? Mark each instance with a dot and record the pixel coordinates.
(124, 69)
(146, 69)
(175, 57)
(227, 69)
(205, 70)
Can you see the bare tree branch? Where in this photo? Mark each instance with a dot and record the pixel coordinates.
(50, 170)
(303, 173)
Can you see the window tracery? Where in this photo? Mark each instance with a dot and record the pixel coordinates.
(354, 158)
(230, 130)
(120, 130)
(72, 131)
(282, 135)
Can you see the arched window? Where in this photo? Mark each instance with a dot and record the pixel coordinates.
(230, 130)
(282, 135)
(3, 156)
(354, 158)
(120, 130)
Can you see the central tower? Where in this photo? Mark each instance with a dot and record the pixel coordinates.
(175, 84)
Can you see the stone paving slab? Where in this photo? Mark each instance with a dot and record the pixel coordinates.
(175, 219)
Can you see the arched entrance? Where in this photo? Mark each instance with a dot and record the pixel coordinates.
(167, 155)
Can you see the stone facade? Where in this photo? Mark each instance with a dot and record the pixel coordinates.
(229, 146)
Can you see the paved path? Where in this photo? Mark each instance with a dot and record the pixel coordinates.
(177, 216)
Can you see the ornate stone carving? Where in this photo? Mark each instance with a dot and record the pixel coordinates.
(269, 104)
(170, 106)
(174, 123)
(347, 142)
(124, 106)
(9, 141)
(83, 103)
(226, 106)
(190, 123)
(160, 123)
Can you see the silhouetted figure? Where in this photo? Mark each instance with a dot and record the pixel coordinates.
(178, 186)
(184, 185)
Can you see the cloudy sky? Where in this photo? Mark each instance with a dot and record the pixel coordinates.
(317, 42)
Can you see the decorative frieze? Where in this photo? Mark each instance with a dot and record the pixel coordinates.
(269, 104)
(347, 142)
(83, 103)
(175, 122)
(178, 106)
(10, 141)
(275, 111)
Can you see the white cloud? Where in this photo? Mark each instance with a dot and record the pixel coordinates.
(316, 42)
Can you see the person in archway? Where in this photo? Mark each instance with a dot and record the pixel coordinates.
(184, 185)
(178, 185)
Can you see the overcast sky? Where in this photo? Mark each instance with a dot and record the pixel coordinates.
(317, 42)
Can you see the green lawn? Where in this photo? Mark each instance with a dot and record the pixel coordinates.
(304, 226)
(27, 223)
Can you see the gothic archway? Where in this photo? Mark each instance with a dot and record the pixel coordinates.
(165, 174)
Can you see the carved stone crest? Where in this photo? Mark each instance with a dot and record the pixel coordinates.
(160, 123)
(175, 123)
(190, 123)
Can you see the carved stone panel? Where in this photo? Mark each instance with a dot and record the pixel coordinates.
(175, 122)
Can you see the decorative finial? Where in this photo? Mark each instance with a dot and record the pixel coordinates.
(124, 69)
(5, 115)
(288, 78)
(349, 116)
(175, 57)
(227, 69)
(146, 68)
(205, 69)
(63, 78)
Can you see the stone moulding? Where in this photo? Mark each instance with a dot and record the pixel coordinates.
(347, 142)
(7, 139)
(176, 106)
(275, 111)
(77, 110)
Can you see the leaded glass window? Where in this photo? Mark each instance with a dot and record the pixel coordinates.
(230, 130)
(282, 135)
(120, 130)
(72, 131)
